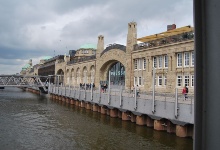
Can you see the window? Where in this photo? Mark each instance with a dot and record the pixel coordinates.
(160, 61)
(192, 80)
(140, 83)
(179, 80)
(144, 63)
(155, 62)
(186, 78)
(165, 61)
(135, 64)
(192, 58)
(165, 80)
(179, 59)
(160, 80)
(186, 59)
(140, 65)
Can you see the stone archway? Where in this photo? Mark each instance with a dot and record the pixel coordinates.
(116, 70)
(60, 77)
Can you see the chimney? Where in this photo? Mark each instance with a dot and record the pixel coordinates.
(171, 27)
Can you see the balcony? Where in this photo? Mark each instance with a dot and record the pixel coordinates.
(165, 41)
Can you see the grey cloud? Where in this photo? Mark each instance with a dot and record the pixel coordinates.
(109, 18)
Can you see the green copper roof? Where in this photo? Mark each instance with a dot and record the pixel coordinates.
(25, 67)
(46, 57)
(88, 46)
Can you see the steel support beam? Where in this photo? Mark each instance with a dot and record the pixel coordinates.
(207, 73)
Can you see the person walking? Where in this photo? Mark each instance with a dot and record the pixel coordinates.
(184, 92)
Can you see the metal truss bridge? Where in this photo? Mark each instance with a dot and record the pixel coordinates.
(40, 82)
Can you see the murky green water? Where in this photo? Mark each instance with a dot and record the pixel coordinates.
(29, 121)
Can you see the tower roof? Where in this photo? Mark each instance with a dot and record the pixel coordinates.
(46, 57)
(26, 66)
(88, 46)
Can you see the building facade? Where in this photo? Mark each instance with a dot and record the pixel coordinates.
(167, 56)
(170, 53)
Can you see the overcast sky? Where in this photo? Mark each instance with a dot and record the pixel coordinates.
(31, 29)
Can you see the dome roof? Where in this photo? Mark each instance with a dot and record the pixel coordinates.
(88, 46)
(26, 66)
(46, 57)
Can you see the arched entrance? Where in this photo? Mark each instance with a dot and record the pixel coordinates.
(117, 74)
(60, 77)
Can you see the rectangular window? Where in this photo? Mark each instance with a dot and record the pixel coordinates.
(186, 80)
(192, 58)
(192, 80)
(135, 64)
(165, 61)
(165, 80)
(160, 80)
(160, 58)
(179, 80)
(140, 81)
(140, 65)
(144, 63)
(179, 59)
(155, 62)
(186, 59)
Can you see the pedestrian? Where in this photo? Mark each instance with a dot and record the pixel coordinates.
(93, 85)
(184, 92)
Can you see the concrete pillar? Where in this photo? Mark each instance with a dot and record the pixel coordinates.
(171, 128)
(159, 125)
(63, 99)
(133, 117)
(67, 100)
(60, 98)
(77, 103)
(114, 113)
(82, 104)
(126, 116)
(72, 102)
(103, 110)
(94, 107)
(88, 105)
(149, 121)
(181, 131)
(140, 120)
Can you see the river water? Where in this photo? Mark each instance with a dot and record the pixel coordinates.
(33, 122)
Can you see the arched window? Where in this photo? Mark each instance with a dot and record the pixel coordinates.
(117, 74)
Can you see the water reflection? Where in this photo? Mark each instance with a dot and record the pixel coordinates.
(29, 121)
